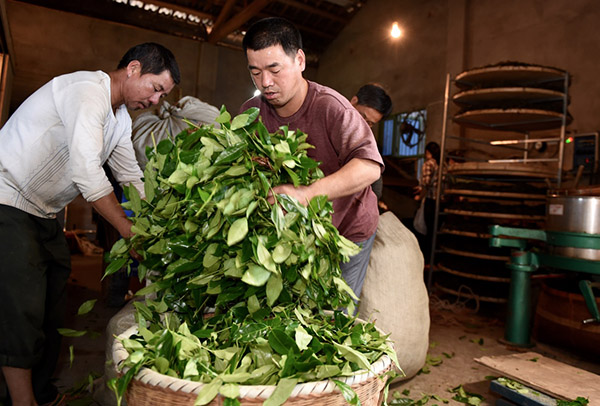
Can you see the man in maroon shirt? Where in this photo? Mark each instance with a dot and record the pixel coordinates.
(343, 141)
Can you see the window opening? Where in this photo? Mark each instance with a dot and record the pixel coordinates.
(403, 136)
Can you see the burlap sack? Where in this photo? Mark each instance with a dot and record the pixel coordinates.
(169, 120)
(394, 292)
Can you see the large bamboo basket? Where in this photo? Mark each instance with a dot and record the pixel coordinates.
(150, 388)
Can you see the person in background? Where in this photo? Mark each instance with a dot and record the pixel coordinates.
(343, 141)
(373, 104)
(53, 149)
(427, 190)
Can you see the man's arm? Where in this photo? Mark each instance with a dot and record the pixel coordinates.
(353, 177)
(111, 210)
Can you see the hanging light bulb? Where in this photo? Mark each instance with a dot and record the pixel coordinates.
(396, 31)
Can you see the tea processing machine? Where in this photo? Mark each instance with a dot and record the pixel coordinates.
(570, 242)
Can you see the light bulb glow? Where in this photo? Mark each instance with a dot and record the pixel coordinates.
(396, 31)
(256, 92)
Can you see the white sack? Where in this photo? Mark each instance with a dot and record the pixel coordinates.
(394, 293)
(169, 121)
(120, 322)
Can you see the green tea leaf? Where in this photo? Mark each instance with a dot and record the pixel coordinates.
(161, 364)
(265, 258)
(164, 147)
(327, 371)
(208, 392)
(67, 332)
(86, 307)
(230, 390)
(302, 338)
(224, 117)
(348, 393)
(239, 121)
(256, 275)
(274, 288)
(253, 304)
(281, 252)
(230, 154)
(115, 266)
(71, 356)
(238, 231)
(282, 392)
(353, 356)
(135, 199)
(281, 342)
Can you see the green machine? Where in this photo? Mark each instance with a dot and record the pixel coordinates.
(570, 242)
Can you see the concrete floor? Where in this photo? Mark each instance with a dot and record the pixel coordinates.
(457, 336)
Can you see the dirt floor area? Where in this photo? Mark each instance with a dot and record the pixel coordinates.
(458, 335)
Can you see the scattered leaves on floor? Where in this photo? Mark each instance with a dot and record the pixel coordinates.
(516, 386)
(71, 356)
(405, 401)
(69, 332)
(433, 361)
(86, 307)
(469, 398)
(580, 401)
(424, 370)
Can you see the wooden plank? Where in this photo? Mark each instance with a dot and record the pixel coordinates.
(224, 14)
(237, 21)
(547, 375)
(109, 10)
(514, 74)
(514, 119)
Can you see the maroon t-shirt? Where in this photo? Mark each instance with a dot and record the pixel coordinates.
(339, 134)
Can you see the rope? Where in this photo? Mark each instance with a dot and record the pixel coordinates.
(454, 313)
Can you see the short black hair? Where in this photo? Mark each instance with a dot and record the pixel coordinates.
(154, 58)
(374, 95)
(434, 149)
(272, 31)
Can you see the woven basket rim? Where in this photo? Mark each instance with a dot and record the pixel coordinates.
(149, 377)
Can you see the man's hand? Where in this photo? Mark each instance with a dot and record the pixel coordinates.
(349, 179)
(300, 193)
(418, 192)
(111, 210)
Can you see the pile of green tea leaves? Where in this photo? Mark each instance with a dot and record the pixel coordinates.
(268, 274)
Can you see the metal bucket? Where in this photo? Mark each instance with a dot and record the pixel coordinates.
(574, 214)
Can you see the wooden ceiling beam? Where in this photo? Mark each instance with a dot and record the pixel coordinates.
(314, 10)
(304, 28)
(316, 32)
(238, 20)
(224, 14)
(109, 10)
(183, 9)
